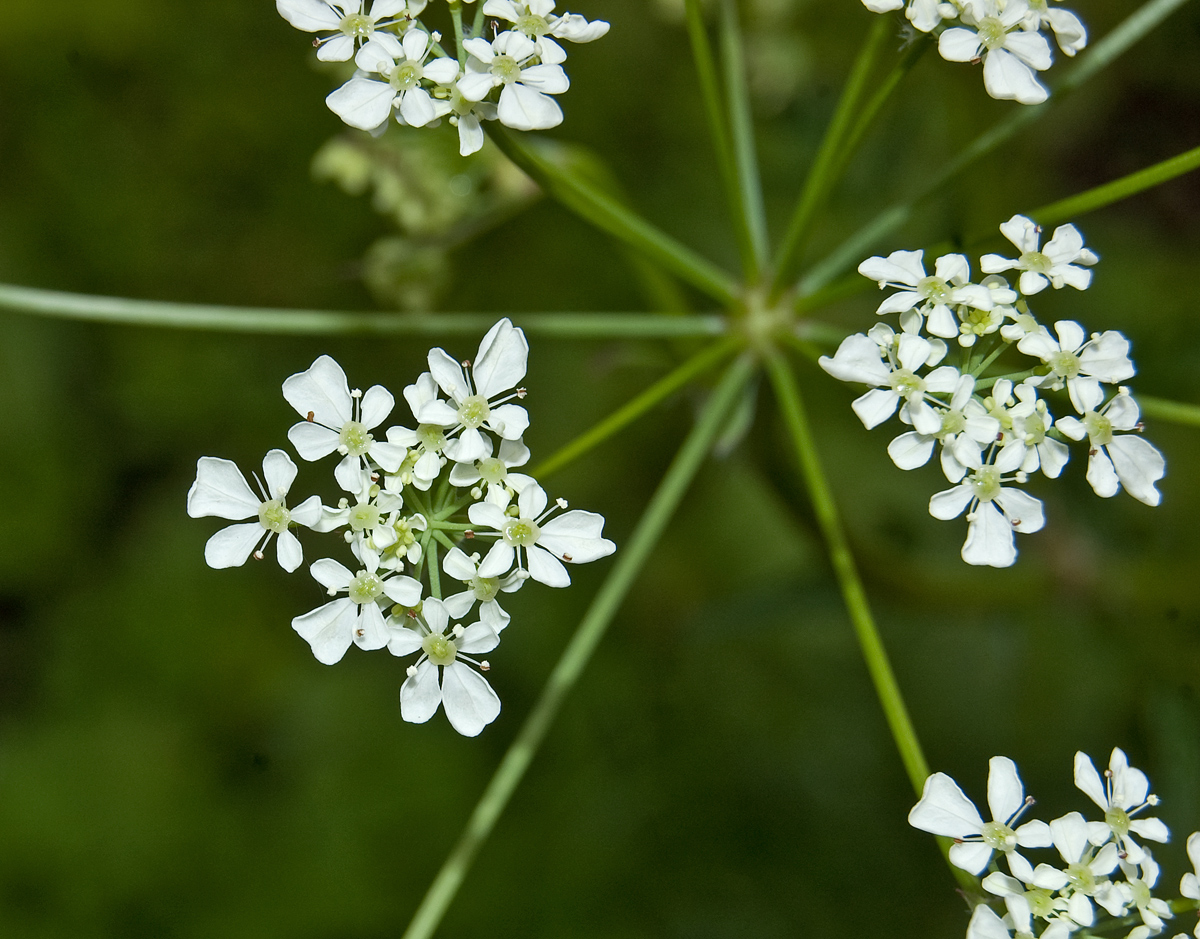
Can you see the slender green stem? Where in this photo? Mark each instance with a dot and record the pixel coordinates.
(435, 572)
(456, 17)
(983, 384)
(452, 509)
(741, 124)
(874, 654)
(438, 525)
(477, 24)
(631, 411)
(982, 366)
(443, 539)
(631, 558)
(1176, 412)
(1118, 189)
(439, 501)
(710, 91)
(819, 181)
(884, 679)
(80, 306)
(1092, 61)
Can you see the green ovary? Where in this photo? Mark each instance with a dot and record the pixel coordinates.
(1036, 261)
(441, 651)
(1118, 820)
(506, 68)
(274, 516)
(1041, 902)
(357, 26)
(492, 470)
(933, 288)
(1064, 364)
(1082, 879)
(474, 411)
(905, 383)
(987, 486)
(407, 76)
(998, 836)
(992, 32)
(953, 422)
(364, 516)
(365, 587)
(521, 531)
(355, 439)
(432, 436)
(485, 588)
(532, 25)
(1099, 429)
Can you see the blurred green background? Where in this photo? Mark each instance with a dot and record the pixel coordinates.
(173, 761)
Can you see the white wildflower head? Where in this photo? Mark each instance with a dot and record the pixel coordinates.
(1057, 264)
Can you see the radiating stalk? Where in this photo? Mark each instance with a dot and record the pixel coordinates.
(80, 306)
(625, 415)
(741, 123)
(718, 129)
(606, 213)
(631, 558)
(1090, 62)
(1177, 412)
(820, 179)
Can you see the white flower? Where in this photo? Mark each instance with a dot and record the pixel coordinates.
(533, 19)
(1010, 54)
(465, 115)
(1189, 885)
(484, 589)
(1077, 362)
(890, 362)
(479, 401)
(1124, 793)
(945, 810)
(1030, 421)
(1084, 876)
(356, 618)
(346, 21)
(506, 62)
(1023, 905)
(441, 676)
(931, 295)
(975, 321)
(367, 103)
(963, 415)
(334, 419)
(1137, 891)
(423, 462)
(995, 511)
(498, 484)
(220, 489)
(1068, 30)
(574, 537)
(1054, 265)
(1116, 459)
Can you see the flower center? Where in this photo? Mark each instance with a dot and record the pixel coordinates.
(1034, 430)
(1041, 902)
(953, 422)
(357, 26)
(1064, 364)
(521, 531)
(997, 835)
(441, 651)
(934, 289)
(363, 516)
(407, 76)
(986, 481)
(485, 588)
(532, 25)
(404, 533)
(274, 516)
(432, 436)
(491, 470)
(1036, 261)
(474, 411)
(1118, 820)
(992, 32)
(905, 383)
(1082, 878)
(354, 438)
(365, 587)
(506, 68)
(1099, 429)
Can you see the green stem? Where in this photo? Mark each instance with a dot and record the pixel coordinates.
(477, 24)
(853, 249)
(741, 123)
(606, 213)
(78, 306)
(710, 92)
(1016, 378)
(1175, 411)
(435, 573)
(820, 177)
(995, 354)
(630, 560)
(456, 17)
(628, 413)
(437, 525)
(1118, 189)
(452, 509)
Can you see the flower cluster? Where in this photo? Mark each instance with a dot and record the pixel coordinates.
(994, 432)
(1103, 867)
(394, 519)
(1005, 35)
(403, 71)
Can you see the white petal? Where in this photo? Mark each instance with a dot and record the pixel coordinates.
(362, 103)
(1087, 780)
(1008, 77)
(945, 810)
(312, 441)
(477, 639)
(220, 489)
(330, 574)
(985, 924)
(522, 108)
(420, 695)
(328, 629)
(279, 472)
(231, 546)
(470, 702)
(990, 538)
(416, 107)
(951, 503)
(971, 856)
(510, 421)
(474, 86)
(1101, 475)
(308, 15)
(498, 561)
(370, 631)
(908, 451)
(575, 536)
(876, 406)
(1023, 510)
(288, 551)
(545, 568)
(336, 49)
(1139, 466)
(958, 45)
(403, 590)
(501, 361)
(1005, 793)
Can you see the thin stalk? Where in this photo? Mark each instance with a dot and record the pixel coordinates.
(477, 24)
(983, 384)
(456, 17)
(710, 91)
(820, 179)
(1176, 412)
(741, 123)
(603, 211)
(435, 572)
(438, 525)
(631, 558)
(631, 411)
(1118, 189)
(266, 320)
(855, 597)
(1118, 41)
(451, 510)
(982, 366)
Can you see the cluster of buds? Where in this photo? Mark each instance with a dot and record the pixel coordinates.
(1005, 35)
(451, 484)
(995, 432)
(403, 70)
(1104, 877)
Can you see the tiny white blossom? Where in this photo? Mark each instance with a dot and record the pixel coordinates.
(963, 415)
(1011, 55)
(534, 19)
(220, 489)
(1079, 363)
(1116, 460)
(923, 295)
(498, 485)
(1124, 793)
(525, 102)
(1068, 30)
(1189, 884)
(346, 22)
(1056, 265)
